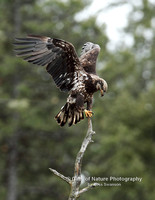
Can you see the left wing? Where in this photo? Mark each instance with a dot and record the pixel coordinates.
(88, 60)
(57, 55)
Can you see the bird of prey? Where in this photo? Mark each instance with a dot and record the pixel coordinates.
(72, 74)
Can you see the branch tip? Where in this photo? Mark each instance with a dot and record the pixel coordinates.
(90, 186)
(68, 180)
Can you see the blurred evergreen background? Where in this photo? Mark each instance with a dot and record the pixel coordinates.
(124, 120)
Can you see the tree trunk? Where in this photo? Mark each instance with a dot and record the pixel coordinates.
(12, 169)
(13, 144)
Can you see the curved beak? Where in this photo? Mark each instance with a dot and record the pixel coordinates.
(105, 88)
(102, 93)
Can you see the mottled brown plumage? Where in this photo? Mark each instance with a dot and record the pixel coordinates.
(71, 74)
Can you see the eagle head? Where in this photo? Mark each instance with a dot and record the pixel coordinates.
(89, 46)
(101, 85)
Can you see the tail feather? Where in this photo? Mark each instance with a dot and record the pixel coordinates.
(69, 114)
(76, 117)
(81, 115)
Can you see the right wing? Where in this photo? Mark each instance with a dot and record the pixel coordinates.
(57, 55)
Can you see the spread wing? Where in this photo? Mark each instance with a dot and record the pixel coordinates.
(88, 60)
(57, 55)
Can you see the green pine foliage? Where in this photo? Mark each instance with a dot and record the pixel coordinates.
(30, 139)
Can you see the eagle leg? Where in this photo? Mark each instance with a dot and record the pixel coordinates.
(88, 111)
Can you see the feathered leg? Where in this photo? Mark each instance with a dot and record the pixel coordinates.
(89, 112)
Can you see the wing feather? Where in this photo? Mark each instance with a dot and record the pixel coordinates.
(57, 55)
(88, 60)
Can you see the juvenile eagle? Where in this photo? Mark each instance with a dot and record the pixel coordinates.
(71, 74)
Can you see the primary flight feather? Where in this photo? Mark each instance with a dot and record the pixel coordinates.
(71, 74)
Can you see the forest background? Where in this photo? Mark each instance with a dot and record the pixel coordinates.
(124, 120)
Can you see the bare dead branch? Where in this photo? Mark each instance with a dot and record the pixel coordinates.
(90, 186)
(68, 180)
(75, 182)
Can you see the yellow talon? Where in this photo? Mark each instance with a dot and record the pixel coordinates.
(88, 113)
